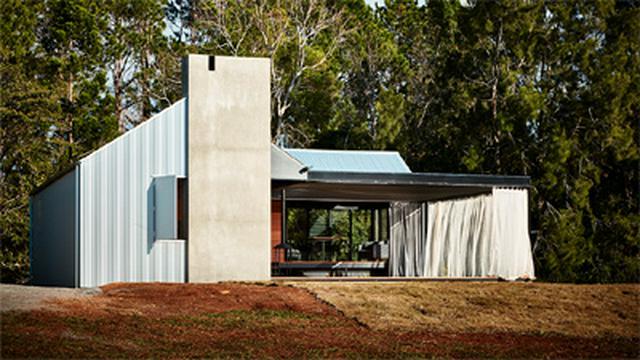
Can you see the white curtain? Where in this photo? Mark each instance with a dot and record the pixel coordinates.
(459, 237)
(513, 257)
(407, 252)
(485, 235)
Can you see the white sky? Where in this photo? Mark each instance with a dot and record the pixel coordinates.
(372, 3)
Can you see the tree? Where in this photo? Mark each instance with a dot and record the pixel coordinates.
(434, 98)
(70, 34)
(371, 109)
(299, 37)
(28, 112)
(133, 42)
(528, 88)
(587, 145)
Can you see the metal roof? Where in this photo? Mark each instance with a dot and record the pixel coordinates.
(352, 186)
(355, 161)
(286, 167)
(429, 179)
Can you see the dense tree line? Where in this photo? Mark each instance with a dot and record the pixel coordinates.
(541, 88)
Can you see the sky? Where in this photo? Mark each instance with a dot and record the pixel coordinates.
(373, 3)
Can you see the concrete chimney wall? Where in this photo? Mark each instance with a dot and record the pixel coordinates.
(229, 170)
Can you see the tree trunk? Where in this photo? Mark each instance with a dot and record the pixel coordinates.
(69, 115)
(70, 79)
(117, 88)
(494, 97)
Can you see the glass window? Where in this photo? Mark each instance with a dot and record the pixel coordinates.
(170, 207)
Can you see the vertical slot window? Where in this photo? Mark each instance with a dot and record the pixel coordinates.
(182, 208)
(168, 211)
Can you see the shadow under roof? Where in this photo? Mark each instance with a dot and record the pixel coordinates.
(386, 187)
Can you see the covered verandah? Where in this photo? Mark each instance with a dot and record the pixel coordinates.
(354, 224)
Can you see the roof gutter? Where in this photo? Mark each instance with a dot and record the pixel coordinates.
(429, 179)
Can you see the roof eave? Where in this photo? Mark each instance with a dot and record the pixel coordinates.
(435, 179)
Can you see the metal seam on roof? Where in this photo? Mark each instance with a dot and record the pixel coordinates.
(363, 161)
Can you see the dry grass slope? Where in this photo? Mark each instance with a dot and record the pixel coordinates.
(530, 308)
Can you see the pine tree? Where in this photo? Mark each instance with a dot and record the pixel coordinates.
(28, 112)
(370, 109)
(71, 34)
(133, 39)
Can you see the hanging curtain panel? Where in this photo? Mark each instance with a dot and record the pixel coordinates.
(407, 250)
(513, 257)
(485, 235)
(459, 237)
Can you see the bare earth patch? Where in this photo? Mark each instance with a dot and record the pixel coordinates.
(232, 320)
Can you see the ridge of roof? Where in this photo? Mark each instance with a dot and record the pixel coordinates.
(342, 151)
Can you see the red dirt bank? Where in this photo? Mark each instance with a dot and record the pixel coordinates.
(240, 320)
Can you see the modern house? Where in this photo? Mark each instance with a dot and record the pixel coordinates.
(198, 192)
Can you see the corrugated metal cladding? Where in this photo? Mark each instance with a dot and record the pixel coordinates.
(53, 233)
(116, 228)
(351, 160)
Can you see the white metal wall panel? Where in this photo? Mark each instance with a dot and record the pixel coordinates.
(116, 204)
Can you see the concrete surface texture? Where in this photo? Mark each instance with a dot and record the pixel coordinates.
(22, 297)
(229, 171)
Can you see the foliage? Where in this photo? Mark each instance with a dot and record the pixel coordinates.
(545, 89)
(28, 110)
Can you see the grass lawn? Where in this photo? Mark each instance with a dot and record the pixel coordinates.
(531, 308)
(332, 320)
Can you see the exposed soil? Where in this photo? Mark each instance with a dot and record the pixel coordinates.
(254, 321)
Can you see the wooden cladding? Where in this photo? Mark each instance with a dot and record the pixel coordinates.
(276, 230)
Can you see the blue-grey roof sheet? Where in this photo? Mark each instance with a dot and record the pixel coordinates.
(350, 160)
